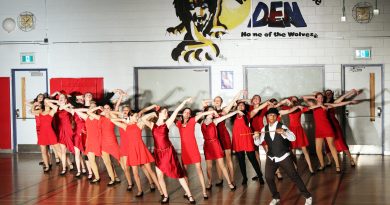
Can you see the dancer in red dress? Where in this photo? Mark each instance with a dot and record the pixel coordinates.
(212, 147)
(243, 143)
(189, 147)
(223, 134)
(109, 142)
(136, 152)
(93, 141)
(79, 138)
(301, 142)
(257, 112)
(79, 144)
(64, 130)
(165, 155)
(125, 141)
(323, 129)
(38, 105)
(46, 134)
(339, 141)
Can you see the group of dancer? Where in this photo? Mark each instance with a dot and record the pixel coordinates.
(78, 124)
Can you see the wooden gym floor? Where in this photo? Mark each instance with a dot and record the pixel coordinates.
(23, 182)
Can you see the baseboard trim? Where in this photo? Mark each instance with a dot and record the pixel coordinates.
(28, 148)
(6, 151)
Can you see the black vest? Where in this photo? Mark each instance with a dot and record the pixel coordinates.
(279, 146)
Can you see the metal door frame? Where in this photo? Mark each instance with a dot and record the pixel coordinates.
(343, 67)
(14, 130)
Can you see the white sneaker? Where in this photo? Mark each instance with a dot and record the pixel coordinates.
(274, 202)
(309, 201)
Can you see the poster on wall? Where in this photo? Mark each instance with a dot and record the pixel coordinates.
(227, 80)
(203, 22)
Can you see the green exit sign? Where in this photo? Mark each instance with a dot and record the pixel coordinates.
(27, 58)
(363, 53)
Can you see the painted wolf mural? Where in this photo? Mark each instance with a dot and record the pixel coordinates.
(200, 19)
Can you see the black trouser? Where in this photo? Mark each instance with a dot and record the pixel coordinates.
(252, 160)
(288, 167)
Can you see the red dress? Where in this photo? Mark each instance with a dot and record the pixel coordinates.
(257, 122)
(165, 154)
(339, 139)
(79, 132)
(138, 153)
(46, 135)
(224, 136)
(189, 148)
(93, 141)
(296, 127)
(124, 143)
(242, 137)
(64, 129)
(109, 141)
(212, 148)
(323, 128)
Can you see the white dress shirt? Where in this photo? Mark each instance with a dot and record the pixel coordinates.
(286, 135)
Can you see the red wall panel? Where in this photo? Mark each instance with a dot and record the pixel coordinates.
(83, 85)
(5, 113)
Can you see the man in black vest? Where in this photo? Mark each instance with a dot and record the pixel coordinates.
(278, 137)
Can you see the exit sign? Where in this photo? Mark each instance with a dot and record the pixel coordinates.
(363, 53)
(27, 58)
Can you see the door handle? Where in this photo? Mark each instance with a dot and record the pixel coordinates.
(379, 111)
(17, 111)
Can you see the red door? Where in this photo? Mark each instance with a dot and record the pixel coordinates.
(5, 114)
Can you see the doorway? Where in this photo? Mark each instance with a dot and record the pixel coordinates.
(364, 121)
(26, 85)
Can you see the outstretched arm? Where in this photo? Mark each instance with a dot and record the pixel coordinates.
(346, 95)
(283, 102)
(145, 120)
(256, 110)
(201, 114)
(171, 119)
(81, 112)
(316, 106)
(146, 109)
(227, 109)
(92, 114)
(306, 97)
(334, 105)
(118, 102)
(119, 122)
(286, 112)
(220, 119)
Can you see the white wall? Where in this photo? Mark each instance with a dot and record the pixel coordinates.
(142, 24)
